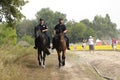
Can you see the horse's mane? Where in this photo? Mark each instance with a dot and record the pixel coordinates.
(61, 43)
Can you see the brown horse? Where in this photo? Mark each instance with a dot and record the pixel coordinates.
(61, 47)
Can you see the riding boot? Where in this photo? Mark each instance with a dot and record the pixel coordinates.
(67, 42)
(35, 47)
(47, 51)
(48, 42)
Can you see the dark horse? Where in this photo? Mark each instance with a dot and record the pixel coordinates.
(42, 42)
(61, 47)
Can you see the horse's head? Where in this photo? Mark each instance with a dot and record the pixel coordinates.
(39, 33)
(61, 37)
(61, 43)
(42, 40)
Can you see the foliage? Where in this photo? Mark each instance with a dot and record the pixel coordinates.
(28, 39)
(10, 11)
(104, 27)
(89, 32)
(77, 31)
(26, 27)
(7, 35)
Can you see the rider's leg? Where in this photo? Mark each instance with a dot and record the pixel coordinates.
(35, 47)
(67, 42)
(48, 42)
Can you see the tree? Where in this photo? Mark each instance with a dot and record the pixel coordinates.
(103, 27)
(87, 23)
(26, 27)
(89, 31)
(76, 31)
(7, 35)
(10, 11)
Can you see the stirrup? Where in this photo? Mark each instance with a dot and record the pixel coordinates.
(68, 48)
(35, 47)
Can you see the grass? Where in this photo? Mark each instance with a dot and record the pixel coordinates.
(9, 70)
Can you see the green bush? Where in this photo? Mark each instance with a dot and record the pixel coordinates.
(28, 39)
(7, 35)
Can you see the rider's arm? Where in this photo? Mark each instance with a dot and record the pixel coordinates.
(65, 30)
(54, 31)
(46, 29)
(35, 31)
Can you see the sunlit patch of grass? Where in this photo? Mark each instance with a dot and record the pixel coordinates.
(9, 70)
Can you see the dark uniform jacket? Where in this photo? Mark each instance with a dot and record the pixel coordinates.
(60, 28)
(40, 27)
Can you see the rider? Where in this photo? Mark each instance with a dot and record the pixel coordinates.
(43, 28)
(60, 27)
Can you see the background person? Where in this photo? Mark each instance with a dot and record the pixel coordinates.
(91, 44)
(113, 44)
(84, 43)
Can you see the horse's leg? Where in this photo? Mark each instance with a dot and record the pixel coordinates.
(39, 57)
(44, 56)
(63, 58)
(59, 58)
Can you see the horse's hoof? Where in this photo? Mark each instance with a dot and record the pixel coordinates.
(60, 65)
(43, 66)
(63, 63)
(39, 64)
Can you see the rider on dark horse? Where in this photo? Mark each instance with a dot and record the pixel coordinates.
(60, 27)
(43, 28)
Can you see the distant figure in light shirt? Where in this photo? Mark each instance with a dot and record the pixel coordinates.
(91, 44)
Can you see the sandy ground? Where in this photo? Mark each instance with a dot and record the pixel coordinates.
(80, 65)
(105, 63)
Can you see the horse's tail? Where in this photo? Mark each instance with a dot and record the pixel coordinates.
(47, 51)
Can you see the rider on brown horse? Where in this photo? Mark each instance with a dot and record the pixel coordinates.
(60, 28)
(43, 28)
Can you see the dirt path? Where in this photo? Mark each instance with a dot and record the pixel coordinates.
(80, 65)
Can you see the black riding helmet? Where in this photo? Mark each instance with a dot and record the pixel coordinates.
(41, 19)
(60, 19)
